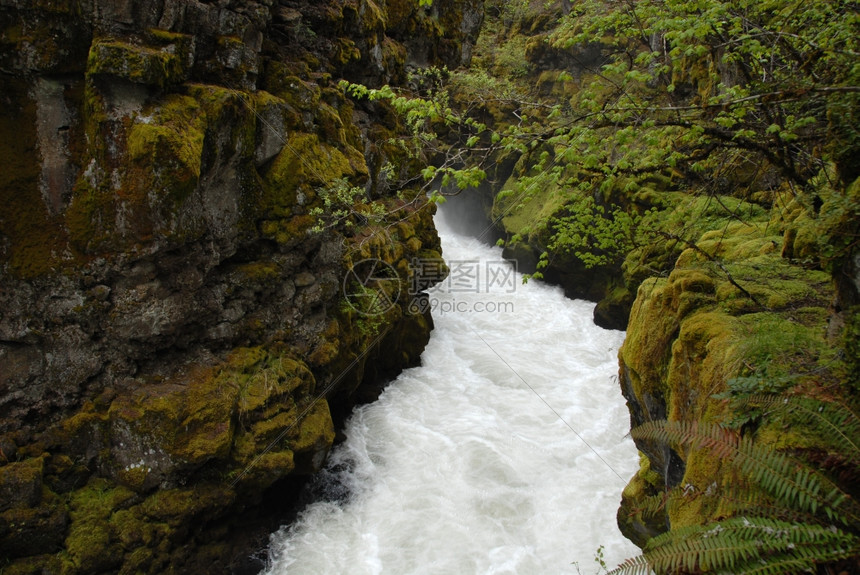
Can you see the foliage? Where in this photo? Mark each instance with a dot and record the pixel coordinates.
(344, 206)
(753, 76)
(698, 118)
(596, 235)
(426, 111)
(743, 546)
(789, 518)
(715, 97)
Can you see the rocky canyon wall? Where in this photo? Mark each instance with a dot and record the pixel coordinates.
(177, 338)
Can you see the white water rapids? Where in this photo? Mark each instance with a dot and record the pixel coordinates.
(505, 452)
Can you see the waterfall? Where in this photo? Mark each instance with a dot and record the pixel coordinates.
(505, 452)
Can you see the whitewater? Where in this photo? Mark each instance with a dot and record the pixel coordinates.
(505, 452)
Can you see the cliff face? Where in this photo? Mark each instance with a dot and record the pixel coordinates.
(756, 316)
(177, 327)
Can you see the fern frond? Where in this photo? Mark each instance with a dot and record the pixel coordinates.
(638, 565)
(837, 424)
(742, 500)
(742, 545)
(653, 504)
(796, 486)
(779, 565)
(803, 560)
(700, 548)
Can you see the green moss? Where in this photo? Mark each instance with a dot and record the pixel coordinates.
(645, 480)
(775, 345)
(37, 566)
(89, 542)
(260, 274)
(706, 478)
(91, 214)
(160, 166)
(646, 351)
(523, 213)
(399, 13)
(704, 356)
(166, 146)
(182, 505)
(267, 380)
(245, 359)
(304, 164)
(324, 353)
(312, 438)
(21, 483)
(264, 468)
(136, 63)
(782, 437)
(694, 215)
(89, 217)
(190, 421)
(394, 56)
(299, 94)
(270, 429)
(165, 37)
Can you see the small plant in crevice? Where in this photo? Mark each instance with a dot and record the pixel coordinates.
(792, 513)
(344, 206)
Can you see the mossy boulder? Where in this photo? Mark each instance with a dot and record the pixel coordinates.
(732, 309)
(635, 525)
(230, 412)
(89, 542)
(139, 63)
(32, 531)
(21, 483)
(168, 430)
(173, 138)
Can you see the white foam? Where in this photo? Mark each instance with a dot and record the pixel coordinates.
(460, 467)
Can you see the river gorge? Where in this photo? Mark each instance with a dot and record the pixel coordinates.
(229, 341)
(505, 452)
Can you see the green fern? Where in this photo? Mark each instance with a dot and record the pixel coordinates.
(790, 482)
(795, 520)
(835, 423)
(740, 545)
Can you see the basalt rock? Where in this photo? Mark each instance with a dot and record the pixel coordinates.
(176, 332)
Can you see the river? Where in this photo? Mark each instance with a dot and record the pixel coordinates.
(505, 452)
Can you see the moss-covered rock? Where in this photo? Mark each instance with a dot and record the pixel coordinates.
(32, 531)
(173, 322)
(142, 64)
(636, 525)
(90, 543)
(733, 309)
